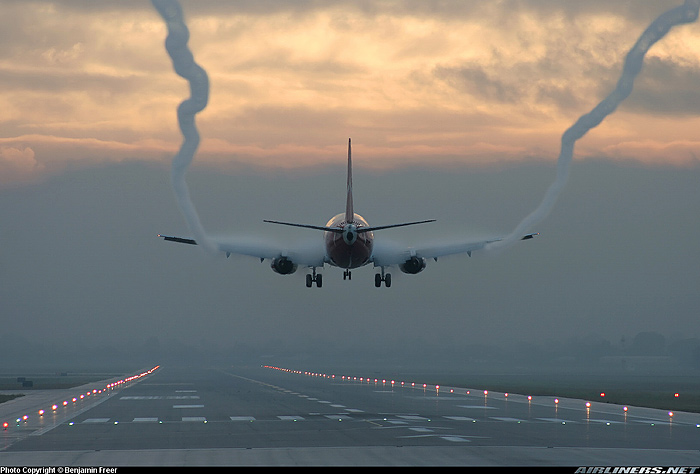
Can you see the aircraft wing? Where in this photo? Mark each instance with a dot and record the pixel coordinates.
(386, 254)
(309, 254)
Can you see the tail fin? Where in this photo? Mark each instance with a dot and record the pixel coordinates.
(349, 212)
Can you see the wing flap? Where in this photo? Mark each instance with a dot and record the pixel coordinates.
(310, 254)
(386, 253)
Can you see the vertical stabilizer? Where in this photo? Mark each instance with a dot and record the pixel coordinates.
(349, 212)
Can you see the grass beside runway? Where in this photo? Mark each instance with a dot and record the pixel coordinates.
(666, 392)
(45, 381)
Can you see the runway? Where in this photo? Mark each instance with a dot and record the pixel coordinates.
(268, 416)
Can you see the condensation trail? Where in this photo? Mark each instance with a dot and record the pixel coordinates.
(686, 13)
(185, 66)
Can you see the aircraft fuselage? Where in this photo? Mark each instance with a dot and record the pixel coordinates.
(348, 249)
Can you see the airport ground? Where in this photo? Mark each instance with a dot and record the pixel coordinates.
(286, 416)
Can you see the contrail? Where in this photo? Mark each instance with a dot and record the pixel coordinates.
(686, 13)
(184, 65)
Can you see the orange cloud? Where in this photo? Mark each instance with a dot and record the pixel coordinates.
(467, 83)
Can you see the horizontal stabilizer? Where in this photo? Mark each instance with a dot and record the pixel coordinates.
(338, 230)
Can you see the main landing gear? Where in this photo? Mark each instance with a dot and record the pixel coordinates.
(381, 277)
(314, 278)
(347, 275)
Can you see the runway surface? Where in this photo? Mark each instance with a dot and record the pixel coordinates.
(267, 416)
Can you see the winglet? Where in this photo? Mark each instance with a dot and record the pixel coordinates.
(349, 212)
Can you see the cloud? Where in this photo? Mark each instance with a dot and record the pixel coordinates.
(17, 164)
(452, 78)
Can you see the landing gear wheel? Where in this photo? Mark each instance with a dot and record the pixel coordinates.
(310, 279)
(381, 277)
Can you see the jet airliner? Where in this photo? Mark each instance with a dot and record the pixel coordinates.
(348, 243)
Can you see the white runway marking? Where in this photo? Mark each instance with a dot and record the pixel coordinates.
(160, 397)
(188, 406)
(338, 417)
(194, 419)
(460, 418)
(556, 420)
(290, 418)
(505, 418)
(455, 439)
(96, 420)
(146, 420)
(413, 417)
(242, 418)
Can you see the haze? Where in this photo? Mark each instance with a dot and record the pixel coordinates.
(456, 112)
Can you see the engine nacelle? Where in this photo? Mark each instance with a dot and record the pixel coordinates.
(283, 266)
(413, 265)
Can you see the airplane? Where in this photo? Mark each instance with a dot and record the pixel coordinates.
(348, 243)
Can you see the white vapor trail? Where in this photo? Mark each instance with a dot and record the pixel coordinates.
(184, 65)
(686, 13)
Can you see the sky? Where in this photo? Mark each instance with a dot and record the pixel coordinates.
(456, 110)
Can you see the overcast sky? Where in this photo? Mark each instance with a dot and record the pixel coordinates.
(456, 111)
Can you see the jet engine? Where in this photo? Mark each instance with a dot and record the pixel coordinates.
(413, 265)
(283, 266)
